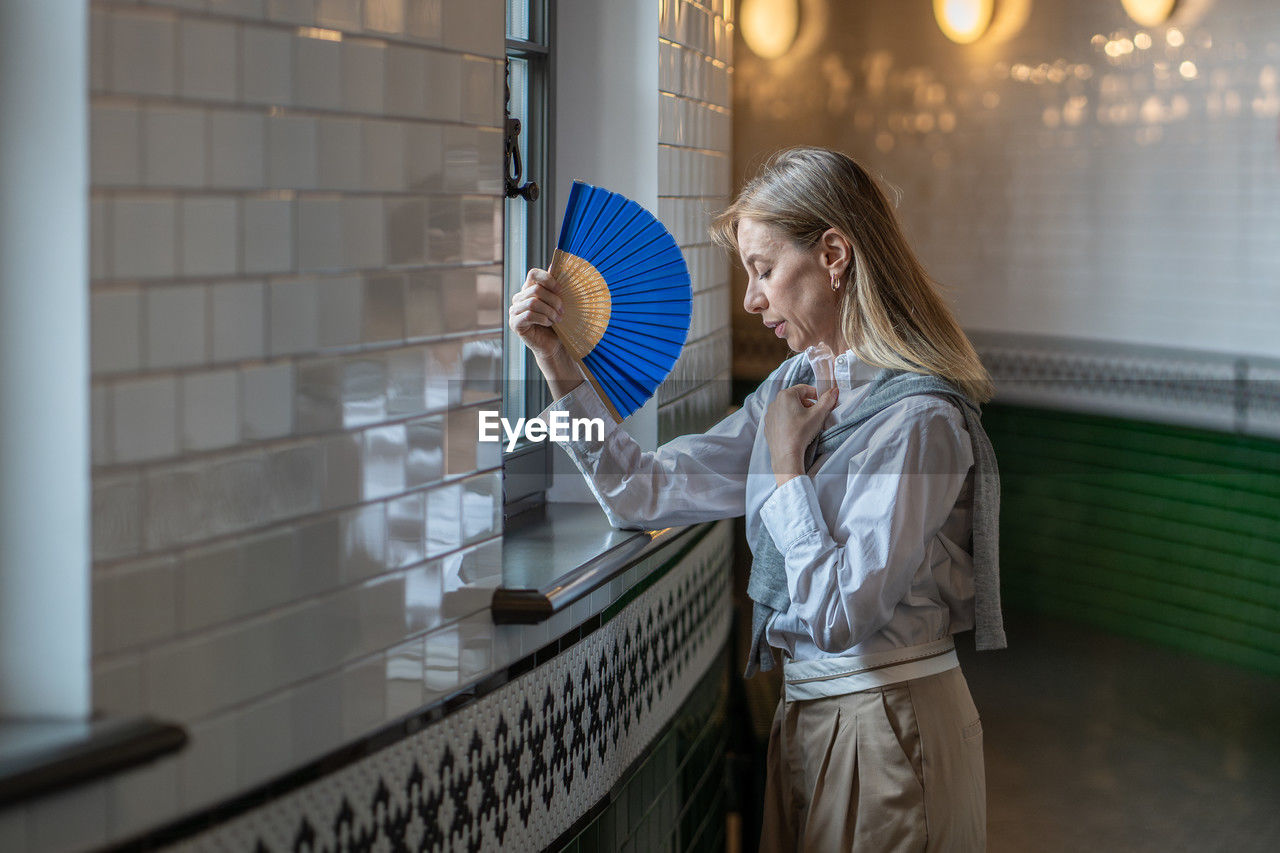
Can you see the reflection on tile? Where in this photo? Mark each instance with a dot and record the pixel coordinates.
(460, 300)
(482, 369)
(176, 510)
(461, 159)
(317, 73)
(406, 527)
(316, 712)
(443, 73)
(384, 16)
(474, 27)
(139, 605)
(364, 391)
(461, 596)
(492, 152)
(363, 542)
(444, 375)
(210, 410)
(384, 153)
(363, 233)
(491, 308)
(238, 149)
(423, 597)
(338, 14)
(444, 524)
(406, 375)
(208, 51)
(267, 237)
(340, 311)
(482, 97)
(318, 547)
(291, 152)
(117, 516)
(320, 245)
(363, 76)
(364, 698)
(292, 315)
(211, 579)
(422, 19)
(266, 401)
(404, 674)
(267, 61)
(383, 308)
(475, 646)
(440, 671)
(461, 441)
(424, 304)
(384, 461)
(425, 459)
(481, 230)
(342, 469)
(340, 153)
(482, 506)
(238, 310)
(444, 230)
(294, 474)
(406, 71)
(424, 158)
(406, 231)
(209, 233)
(237, 493)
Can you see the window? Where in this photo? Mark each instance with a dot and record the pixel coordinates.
(528, 236)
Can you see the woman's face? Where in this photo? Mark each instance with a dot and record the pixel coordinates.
(790, 287)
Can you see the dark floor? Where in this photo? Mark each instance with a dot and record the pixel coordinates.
(1100, 743)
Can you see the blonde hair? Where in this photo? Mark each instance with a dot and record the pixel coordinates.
(892, 313)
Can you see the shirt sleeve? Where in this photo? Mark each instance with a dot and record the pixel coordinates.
(900, 491)
(689, 479)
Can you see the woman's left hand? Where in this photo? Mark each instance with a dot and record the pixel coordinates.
(792, 420)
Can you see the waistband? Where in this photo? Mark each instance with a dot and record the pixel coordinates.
(814, 679)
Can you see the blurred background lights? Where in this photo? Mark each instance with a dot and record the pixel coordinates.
(769, 27)
(1188, 69)
(1149, 13)
(963, 21)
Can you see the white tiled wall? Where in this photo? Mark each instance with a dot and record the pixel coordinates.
(695, 57)
(1085, 178)
(296, 250)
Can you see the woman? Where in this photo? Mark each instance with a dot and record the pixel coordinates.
(872, 545)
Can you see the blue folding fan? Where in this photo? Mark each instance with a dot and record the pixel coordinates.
(626, 292)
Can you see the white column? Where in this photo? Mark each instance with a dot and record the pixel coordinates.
(44, 377)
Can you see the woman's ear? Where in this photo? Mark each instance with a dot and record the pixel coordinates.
(837, 253)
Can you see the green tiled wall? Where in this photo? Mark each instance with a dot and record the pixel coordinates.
(674, 801)
(1161, 532)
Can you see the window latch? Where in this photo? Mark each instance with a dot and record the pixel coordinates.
(513, 171)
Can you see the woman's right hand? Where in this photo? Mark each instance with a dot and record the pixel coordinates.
(533, 309)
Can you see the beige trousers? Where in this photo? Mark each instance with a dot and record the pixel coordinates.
(894, 768)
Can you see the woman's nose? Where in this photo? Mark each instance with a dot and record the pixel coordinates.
(754, 302)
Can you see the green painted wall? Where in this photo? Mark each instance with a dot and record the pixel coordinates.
(1160, 532)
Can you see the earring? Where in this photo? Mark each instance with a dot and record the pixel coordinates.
(835, 282)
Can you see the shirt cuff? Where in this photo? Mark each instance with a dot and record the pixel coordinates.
(792, 512)
(583, 402)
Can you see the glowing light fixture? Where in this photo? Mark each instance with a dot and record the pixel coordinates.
(963, 21)
(769, 27)
(1149, 13)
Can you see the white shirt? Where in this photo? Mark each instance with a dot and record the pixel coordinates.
(876, 539)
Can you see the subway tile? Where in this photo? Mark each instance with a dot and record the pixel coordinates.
(364, 391)
(174, 147)
(491, 306)
(460, 300)
(406, 231)
(237, 152)
(266, 404)
(443, 75)
(100, 424)
(463, 595)
(98, 225)
(340, 310)
(114, 146)
(315, 708)
(175, 511)
(406, 525)
(237, 312)
(139, 605)
(444, 521)
(423, 19)
(210, 410)
(441, 664)
(383, 308)
(406, 375)
(208, 50)
(490, 161)
(207, 766)
(295, 475)
(269, 571)
(482, 506)
(292, 11)
(364, 76)
(317, 73)
(267, 236)
(380, 608)
(481, 230)
(318, 396)
(209, 234)
(342, 469)
(475, 646)
(363, 232)
(383, 461)
(145, 419)
(143, 238)
(461, 441)
(444, 376)
(175, 316)
(461, 159)
(138, 798)
(264, 741)
(292, 315)
(211, 582)
(424, 300)
(405, 74)
(117, 685)
(234, 494)
(384, 16)
(482, 93)
(424, 157)
(339, 14)
(476, 27)
(424, 461)
(363, 542)
(384, 155)
(99, 51)
(238, 8)
(340, 153)
(115, 316)
(403, 673)
(117, 516)
(292, 152)
(318, 546)
(143, 54)
(444, 230)
(72, 819)
(267, 63)
(320, 233)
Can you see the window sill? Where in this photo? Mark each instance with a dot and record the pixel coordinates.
(41, 756)
(562, 553)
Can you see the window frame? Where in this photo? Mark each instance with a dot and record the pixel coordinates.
(526, 470)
